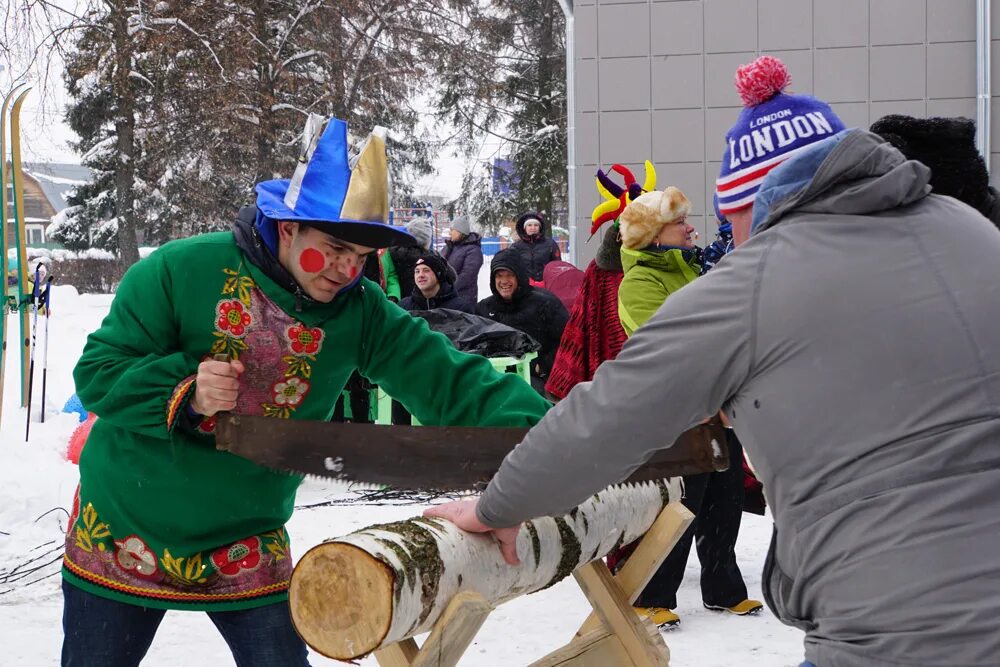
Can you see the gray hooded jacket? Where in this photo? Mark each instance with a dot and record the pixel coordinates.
(854, 342)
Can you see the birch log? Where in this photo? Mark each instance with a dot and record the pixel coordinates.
(354, 594)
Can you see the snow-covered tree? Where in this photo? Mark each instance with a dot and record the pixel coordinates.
(506, 78)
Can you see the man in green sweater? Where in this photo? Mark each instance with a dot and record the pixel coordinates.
(162, 520)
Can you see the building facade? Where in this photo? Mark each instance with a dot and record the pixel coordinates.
(46, 186)
(654, 78)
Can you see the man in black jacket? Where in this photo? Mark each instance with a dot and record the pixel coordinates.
(533, 310)
(434, 287)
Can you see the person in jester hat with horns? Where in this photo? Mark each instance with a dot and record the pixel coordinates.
(161, 519)
(594, 333)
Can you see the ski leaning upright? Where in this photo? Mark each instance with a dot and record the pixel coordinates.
(23, 295)
(5, 304)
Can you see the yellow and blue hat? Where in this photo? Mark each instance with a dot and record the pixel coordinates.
(342, 192)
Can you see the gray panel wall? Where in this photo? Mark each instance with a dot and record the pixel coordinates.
(654, 78)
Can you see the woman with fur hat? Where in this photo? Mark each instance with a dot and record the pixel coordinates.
(658, 254)
(659, 257)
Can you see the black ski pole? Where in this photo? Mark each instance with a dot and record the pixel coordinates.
(47, 303)
(31, 357)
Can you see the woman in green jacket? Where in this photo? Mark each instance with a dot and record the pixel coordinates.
(658, 254)
(162, 520)
(659, 257)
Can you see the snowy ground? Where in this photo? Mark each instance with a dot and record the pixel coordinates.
(36, 485)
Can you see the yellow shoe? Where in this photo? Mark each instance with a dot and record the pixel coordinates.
(745, 608)
(662, 618)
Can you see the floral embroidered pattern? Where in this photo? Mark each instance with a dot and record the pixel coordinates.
(290, 392)
(133, 555)
(277, 544)
(185, 571)
(238, 315)
(238, 285)
(233, 318)
(243, 556)
(305, 340)
(92, 530)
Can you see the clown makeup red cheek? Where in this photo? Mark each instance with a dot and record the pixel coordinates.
(312, 260)
(354, 272)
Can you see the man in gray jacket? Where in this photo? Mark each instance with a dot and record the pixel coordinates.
(854, 345)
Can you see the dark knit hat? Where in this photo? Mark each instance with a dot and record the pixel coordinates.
(948, 147)
(772, 127)
(437, 264)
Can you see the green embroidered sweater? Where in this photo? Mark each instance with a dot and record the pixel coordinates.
(650, 277)
(161, 518)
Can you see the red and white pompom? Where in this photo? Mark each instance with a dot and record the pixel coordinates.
(761, 80)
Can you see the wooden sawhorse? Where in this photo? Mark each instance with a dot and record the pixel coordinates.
(613, 634)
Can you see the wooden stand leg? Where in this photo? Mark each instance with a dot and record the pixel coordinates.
(616, 612)
(649, 554)
(449, 639)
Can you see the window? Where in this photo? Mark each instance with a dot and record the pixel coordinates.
(35, 234)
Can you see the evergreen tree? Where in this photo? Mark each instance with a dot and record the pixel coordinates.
(219, 92)
(506, 78)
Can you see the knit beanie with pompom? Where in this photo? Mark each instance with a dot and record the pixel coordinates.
(772, 127)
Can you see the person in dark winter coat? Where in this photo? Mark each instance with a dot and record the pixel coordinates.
(434, 288)
(405, 257)
(533, 310)
(948, 147)
(535, 247)
(464, 253)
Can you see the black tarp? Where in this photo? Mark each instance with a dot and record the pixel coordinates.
(478, 335)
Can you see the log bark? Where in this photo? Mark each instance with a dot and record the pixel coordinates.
(354, 594)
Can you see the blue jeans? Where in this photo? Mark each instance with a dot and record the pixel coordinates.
(101, 632)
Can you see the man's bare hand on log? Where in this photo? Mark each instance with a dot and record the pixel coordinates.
(462, 513)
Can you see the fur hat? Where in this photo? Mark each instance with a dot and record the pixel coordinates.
(642, 220)
(948, 147)
(420, 229)
(772, 127)
(461, 224)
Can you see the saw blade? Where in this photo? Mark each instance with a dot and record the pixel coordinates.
(447, 458)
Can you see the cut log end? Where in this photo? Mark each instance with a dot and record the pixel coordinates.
(341, 600)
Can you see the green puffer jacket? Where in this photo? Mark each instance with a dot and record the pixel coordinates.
(161, 518)
(650, 277)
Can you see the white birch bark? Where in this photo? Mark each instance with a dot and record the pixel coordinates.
(431, 561)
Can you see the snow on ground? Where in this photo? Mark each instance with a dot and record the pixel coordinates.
(36, 485)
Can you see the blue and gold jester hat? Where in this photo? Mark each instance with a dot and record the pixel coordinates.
(342, 192)
(616, 198)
